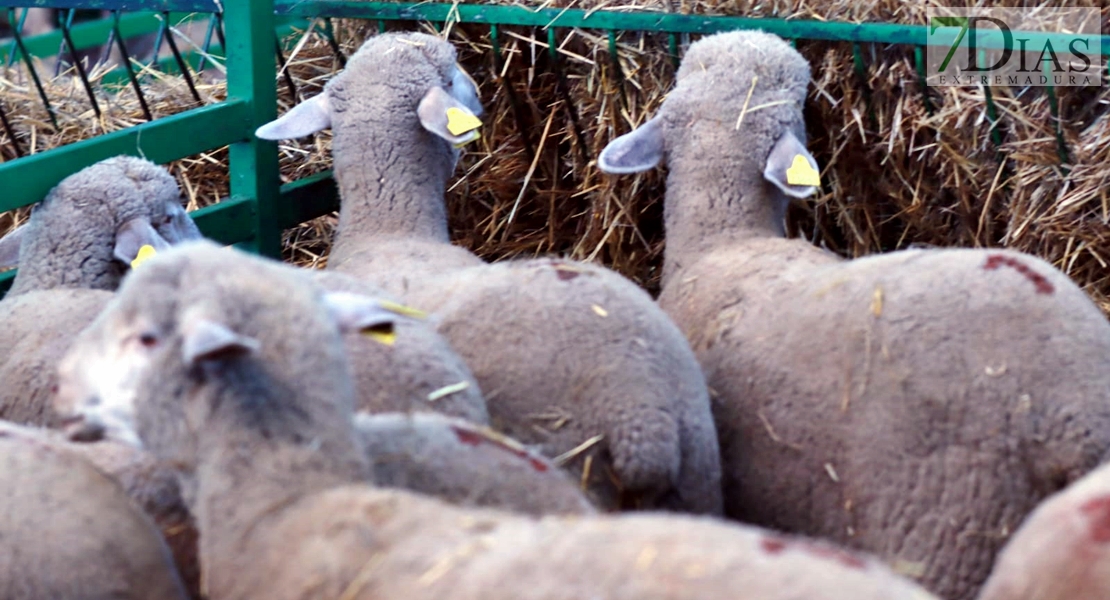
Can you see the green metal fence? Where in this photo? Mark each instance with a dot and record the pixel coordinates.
(258, 210)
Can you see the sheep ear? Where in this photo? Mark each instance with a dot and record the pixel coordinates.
(374, 318)
(445, 116)
(9, 247)
(791, 167)
(136, 240)
(308, 117)
(207, 340)
(634, 152)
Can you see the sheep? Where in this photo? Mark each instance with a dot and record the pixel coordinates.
(452, 458)
(418, 371)
(572, 358)
(69, 531)
(457, 461)
(148, 484)
(72, 253)
(1060, 551)
(256, 361)
(915, 404)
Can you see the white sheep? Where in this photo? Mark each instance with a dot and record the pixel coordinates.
(257, 361)
(72, 253)
(572, 357)
(69, 531)
(915, 404)
(148, 484)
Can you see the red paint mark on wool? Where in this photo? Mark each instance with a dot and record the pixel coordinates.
(474, 438)
(468, 437)
(841, 556)
(776, 545)
(1097, 511)
(1040, 282)
(564, 271)
(772, 545)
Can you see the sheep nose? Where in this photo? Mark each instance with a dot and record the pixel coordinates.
(83, 428)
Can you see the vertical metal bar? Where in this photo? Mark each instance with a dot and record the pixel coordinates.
(179, 60)
(126, 56)
(552, 43)
(286, 75)
(61, 24)
(10, 131)
(106, 51)
(34, 75)
(1054, 108)
(17, 30)
(510, 93)
(329, 35)
(616, 59)
(922, 77)
(220, 30)
(563, 89)
(251, 72)
(77, 63)
(992, 110)
(672, 47)
(861, 75)
(157, 45)
(494, 32)
(207, 43)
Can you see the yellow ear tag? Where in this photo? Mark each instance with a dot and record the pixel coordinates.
(459, 121)
(802, 173)
(145, 252)
(477, 136)
(401, 309)
(386, 335)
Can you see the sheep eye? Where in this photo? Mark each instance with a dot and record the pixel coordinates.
(167, 219)
(148, 339)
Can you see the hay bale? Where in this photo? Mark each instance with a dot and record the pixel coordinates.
(896, 174)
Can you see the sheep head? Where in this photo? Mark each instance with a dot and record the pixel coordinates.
(399, 83)
(115, 207)
(197, 317)
(736, 109)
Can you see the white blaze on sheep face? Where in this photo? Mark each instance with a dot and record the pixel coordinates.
(98, 384)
